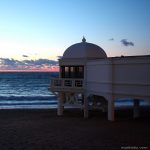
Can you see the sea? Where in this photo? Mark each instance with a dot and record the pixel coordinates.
(26, 90)
(29, 90)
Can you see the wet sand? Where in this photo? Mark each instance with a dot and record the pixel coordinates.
(44, 130)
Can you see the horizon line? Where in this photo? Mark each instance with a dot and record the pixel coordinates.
(29, 71)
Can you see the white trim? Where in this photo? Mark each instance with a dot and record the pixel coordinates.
(119, 83)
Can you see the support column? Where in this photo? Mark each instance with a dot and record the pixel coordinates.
(111, 110)
(86, 113)
(136, 110)
(60, 108)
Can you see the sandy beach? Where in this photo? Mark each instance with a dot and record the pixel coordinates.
(44, 130)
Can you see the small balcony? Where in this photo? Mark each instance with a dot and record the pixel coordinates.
(66, 84)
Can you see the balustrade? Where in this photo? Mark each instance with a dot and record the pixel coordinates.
(66, 83)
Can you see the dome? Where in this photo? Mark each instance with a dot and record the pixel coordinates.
(84, 50)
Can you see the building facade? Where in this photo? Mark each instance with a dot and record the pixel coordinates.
(88, 77)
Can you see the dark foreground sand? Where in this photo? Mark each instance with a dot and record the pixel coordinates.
(43, 130)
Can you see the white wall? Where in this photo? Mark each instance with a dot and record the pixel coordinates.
(122, 77)
(99, 77)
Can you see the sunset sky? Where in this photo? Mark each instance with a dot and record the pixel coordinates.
(42, 29)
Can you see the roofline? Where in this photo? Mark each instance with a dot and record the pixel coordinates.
(132, 56)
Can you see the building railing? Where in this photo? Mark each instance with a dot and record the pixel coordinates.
(67, 83)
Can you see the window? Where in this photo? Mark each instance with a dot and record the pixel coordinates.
(72, 71)
(67, 72)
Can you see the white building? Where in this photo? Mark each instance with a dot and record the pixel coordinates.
(88, 77)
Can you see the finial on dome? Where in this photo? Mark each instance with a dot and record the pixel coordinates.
(83, 40)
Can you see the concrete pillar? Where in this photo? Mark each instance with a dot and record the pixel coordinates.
(60, 108)
(86, 114)
(136, 110)
(111, 110)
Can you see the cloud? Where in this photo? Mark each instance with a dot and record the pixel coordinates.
(126, 43)
(25, 56)
(40, 64)
(7, 61)
(111, 39)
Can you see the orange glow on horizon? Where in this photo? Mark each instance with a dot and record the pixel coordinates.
(40, 70)
(28, 71)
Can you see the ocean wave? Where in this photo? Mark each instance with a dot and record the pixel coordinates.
(4, 103)
(22, 98)
(28, 106)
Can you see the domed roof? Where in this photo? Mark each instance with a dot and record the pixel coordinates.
(84, 50)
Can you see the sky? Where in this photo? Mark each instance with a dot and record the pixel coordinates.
(36, 30)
